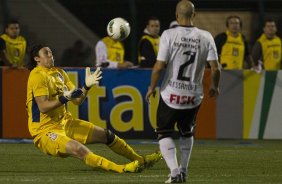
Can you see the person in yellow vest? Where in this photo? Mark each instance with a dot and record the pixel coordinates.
(110, 54)
(267, 49)
(231, 45)
(12, 46)
(55, 131)
(149, 44)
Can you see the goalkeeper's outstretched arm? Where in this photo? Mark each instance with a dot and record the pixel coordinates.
(79, 100)
(45, 104)
(91, 79)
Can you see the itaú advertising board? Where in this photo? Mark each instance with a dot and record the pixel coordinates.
(118, 103)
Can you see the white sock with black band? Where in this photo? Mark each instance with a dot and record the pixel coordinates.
(186, 145)
(168, 150)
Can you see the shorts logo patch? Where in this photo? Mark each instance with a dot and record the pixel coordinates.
(52, 136)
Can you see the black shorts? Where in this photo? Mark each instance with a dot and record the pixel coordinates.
(167, 117)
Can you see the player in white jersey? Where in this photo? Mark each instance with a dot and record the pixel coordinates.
(183, 52)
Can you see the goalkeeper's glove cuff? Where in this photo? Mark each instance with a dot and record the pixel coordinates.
(63, 99)
(86, 87)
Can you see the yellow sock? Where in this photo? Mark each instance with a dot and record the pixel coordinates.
(93, 160)
(120, 147)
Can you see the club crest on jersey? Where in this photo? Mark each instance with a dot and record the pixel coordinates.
(52, 136)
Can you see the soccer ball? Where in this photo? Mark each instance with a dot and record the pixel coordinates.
(118, 29)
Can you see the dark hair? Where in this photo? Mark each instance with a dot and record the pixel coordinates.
(152, 18)
(34, 50)
(10, 22)
(268, 20)
(231, 17)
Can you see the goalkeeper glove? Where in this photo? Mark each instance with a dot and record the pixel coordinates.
(92, 78)
(69, 95)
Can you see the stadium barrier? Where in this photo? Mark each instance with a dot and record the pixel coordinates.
(248, 107)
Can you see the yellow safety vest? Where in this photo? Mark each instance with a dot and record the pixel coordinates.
(271, 52)
(155, 43)
(15, 48)
(233, 51)
(115, 49)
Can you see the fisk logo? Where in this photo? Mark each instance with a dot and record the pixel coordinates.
(177, 99)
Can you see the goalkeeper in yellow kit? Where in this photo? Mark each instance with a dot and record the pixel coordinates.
(55, 131)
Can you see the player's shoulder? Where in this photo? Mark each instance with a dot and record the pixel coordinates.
(171, 30)
(59, 69)
(168, 31)
(21, 38)
(37, 71)
(37, 74)
(203, 32)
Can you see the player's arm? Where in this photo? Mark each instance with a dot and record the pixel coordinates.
(45, 105)
(39, 85)
(79, 100)
(156, 72)
(212, 59)
(163, 56)
(215, 77)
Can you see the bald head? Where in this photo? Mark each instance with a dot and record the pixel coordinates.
(185, 9)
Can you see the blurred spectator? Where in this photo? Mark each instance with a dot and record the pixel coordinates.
(110, 54)
(13, 47)
(149, 44)
(173, 24)
(76, 55)
(267, 49)
(231, 45)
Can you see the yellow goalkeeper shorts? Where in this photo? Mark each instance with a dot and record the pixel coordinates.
(53, 142)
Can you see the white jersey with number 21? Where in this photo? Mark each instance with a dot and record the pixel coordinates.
(186, 51)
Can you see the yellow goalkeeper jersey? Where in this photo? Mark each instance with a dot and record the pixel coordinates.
(46, 82)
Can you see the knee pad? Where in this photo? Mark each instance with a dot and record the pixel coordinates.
(110, 136)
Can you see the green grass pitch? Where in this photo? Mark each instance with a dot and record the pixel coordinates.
(220, 161)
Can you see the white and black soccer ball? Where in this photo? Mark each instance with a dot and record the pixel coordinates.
(118, 29)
